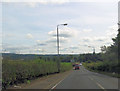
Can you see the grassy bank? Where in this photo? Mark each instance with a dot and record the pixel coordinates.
(15, 72)
(103, 68)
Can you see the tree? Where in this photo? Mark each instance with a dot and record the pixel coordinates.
(103, 49)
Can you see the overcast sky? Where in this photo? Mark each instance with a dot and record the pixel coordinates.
(31, 27)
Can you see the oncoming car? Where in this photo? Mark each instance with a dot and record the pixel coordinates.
(80, 64)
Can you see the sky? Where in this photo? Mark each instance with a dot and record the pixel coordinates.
(30, 27)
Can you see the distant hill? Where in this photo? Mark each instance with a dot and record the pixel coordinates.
(62, 58)
(13, 56)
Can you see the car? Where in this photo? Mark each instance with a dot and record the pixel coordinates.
(80, 64)
(77, 67)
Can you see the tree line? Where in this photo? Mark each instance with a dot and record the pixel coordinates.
(109, 58)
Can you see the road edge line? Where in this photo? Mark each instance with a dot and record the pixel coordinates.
(56, 84)
(59, 82)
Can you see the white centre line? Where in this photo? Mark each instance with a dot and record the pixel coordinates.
(91, 78)
(98, 84)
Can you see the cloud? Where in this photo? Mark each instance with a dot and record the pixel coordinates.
(112, 31)
(73, 47)
(54, 40)
(114, 27)
(95, 19)
(67, 35)
(23, 49)
(87, 30)
(31, 4)
(86, 39)
(99, 41)
(30, 36)
(42, 44)
(59, 1)
(8, 35)
(91, 20)
(95, 39)
(38, 49)
(100, 38)
(35, 3)
(39, 43)
(15, 49)
(65, 32)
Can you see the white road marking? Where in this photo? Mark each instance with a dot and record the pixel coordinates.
(91, 78)
(17, 86)
(98, 84)
(56, 84)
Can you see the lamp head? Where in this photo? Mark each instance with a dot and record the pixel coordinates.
(65, 24)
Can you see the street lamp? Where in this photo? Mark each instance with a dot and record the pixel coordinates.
(58, 36)
(93, 49)
(58, 45)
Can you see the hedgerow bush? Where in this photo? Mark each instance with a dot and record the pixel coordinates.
(65, 66)
(15, 72)
(103, 66)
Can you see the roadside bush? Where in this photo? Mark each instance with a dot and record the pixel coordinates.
(15, 72)
(103, 66)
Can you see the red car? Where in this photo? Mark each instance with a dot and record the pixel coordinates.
(77, 67)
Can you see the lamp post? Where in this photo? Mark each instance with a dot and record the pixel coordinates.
(58, 45)
(93, 49)
(58, 36)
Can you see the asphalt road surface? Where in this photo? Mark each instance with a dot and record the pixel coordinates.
(84, 79)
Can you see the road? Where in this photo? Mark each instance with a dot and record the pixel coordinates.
(84, 79)
(75, 79)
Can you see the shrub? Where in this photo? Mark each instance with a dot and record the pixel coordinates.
(20, 71)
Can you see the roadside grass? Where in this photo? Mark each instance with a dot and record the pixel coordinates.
(15, 72)
(91, 67)
(65, 66)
